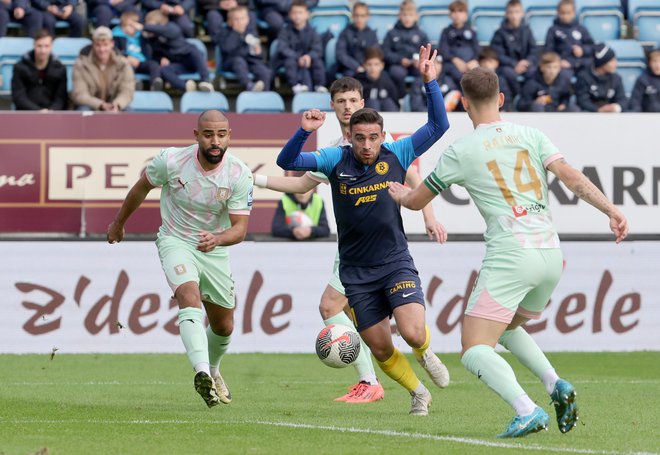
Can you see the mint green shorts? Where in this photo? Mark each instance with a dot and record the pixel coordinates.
(183, 263)
(335, 282)
(517, 281)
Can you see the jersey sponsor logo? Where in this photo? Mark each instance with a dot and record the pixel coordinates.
(369, 188)
(342, 175)
(522, 210)
(366, 199)
(403, 285)
(180, 269)
(519, 211)
(223, 194)
(405, 295)
(382, 167)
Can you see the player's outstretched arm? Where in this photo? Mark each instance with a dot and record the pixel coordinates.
(290, 157)
(412, 199)
(583, 188)
(133, 200)
(283, 184)
(435, 230)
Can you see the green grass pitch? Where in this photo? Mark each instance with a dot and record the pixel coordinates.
(283, 404)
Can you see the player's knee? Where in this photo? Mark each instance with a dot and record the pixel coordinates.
(222, 327)
(415, 337)
(187, 295)
(332, 302)
(382, 353)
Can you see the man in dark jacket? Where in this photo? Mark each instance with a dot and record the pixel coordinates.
(646, 93)
(353, 41)
(39, 81)
(600, 88)
(570, 40)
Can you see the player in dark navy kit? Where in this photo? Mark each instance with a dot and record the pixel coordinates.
(375, 265)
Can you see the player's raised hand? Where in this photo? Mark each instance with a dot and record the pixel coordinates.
(398, 191)
(312, 120)
(207, 242)
(115, 232)
(619, 225)
(426, 63)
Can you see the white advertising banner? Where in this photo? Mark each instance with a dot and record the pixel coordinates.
(619, 153)
(93, 297)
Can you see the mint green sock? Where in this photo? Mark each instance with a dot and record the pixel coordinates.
(363, 364)
(193, 335)
(525, 349)
(217, 347)
(492, 369)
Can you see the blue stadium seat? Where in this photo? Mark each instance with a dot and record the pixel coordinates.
(330, 55)
(146, 101)
(382, 21)
(7, 72)
(645, 18)
(310, 100)
(13, 48)
(200, 101)
(432, 5)
(486, 17)
(629, 75)
(631, 61)
(603, 18)
(388, 5)
(432, 22)
(332, 21)
(67, 49)
(540, 14)
(259, 102)
(332, 5)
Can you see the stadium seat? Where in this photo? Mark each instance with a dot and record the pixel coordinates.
(7, 72)
(382, 21)
(645, 18)
(631, 61)
(540, 14)
(332, 21)
(200, 101)
(330, 56)
(310, 100)
(332, 5)
(259, 102)
(384, 5)
(67, 49)
(146, 101)
(603, 18)
(486, 17)
(432, 22)
(629, 75)
(202, 48)
(13, 48)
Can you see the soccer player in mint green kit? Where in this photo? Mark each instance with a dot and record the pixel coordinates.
(205, 205)
(504, 168)
(346, 98)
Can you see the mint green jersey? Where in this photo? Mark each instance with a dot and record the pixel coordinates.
(194, 200)
(503, 167)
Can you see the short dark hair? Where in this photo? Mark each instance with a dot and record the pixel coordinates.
(366, 116)
(653, 53)
(549, 57)
(357, 5)
(565, 2)
(480, 84)
(457, 5)
(43, 33)
(511, 3)
(345, 84)
(298, 3)
(488, 52)
(374, 52)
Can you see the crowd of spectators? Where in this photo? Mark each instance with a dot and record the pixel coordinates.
(263, 40)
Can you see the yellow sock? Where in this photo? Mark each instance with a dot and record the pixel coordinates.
(398, 368)
(419, 352)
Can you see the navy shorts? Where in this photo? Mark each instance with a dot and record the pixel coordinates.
(374, 292)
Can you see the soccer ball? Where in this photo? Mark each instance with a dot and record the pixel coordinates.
(298, 219)
(338, 345)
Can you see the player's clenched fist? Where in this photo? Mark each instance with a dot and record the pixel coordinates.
(115, 232)
(207, 242)
(312, 120)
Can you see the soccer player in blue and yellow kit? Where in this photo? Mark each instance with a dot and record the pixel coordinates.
(375, 266)
(504, 168)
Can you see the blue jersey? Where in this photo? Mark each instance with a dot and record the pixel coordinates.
(369, 224)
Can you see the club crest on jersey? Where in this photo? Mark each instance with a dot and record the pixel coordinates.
(342, 188)
(382, 167)
(180, 269)
(518, 211)
(223, 194)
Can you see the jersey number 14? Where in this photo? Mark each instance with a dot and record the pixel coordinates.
(522, 161)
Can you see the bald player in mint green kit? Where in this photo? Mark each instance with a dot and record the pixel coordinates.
(504, 167)
(205, 205)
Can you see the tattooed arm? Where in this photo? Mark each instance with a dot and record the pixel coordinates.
(582, 187)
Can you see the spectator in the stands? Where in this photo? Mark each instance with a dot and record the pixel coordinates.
(21, 11)
(570, 40)
(103, 12)
(103, 80)
(401, 46)
(379, 90)
(458, 43)
(515, 45)
(300, 51)
(178, 12)
(39, 80)
(61, 10)
(242, 52)
(275, 13)
(175, 54)
(549, 90)
(353, 41)
(450, 91)
(215, 14)
(300, 216)
(646, 92)
(488, 59)
(599, 88)
(130, 42)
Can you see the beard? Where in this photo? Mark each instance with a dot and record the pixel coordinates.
(214, 159)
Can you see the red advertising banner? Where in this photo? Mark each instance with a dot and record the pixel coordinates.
(69, 172)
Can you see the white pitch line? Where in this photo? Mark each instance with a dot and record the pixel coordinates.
(370, 431)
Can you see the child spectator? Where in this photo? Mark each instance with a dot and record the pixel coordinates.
(300, 51)
(549, 90)
(22, 12)
(102, 78)
(354, 40)
(61, 10)
(379, 91)
(178, 12)
(104, 11)
(175, 54)
(401, 44)
(458, 43)
(488, 59)
(242, 52)
(215, 14)
(569, 39)
(515, 45)
(39, 80)
(275, 12)
(450, 92)
(600, 88)
(646, 93)
(129, 41)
